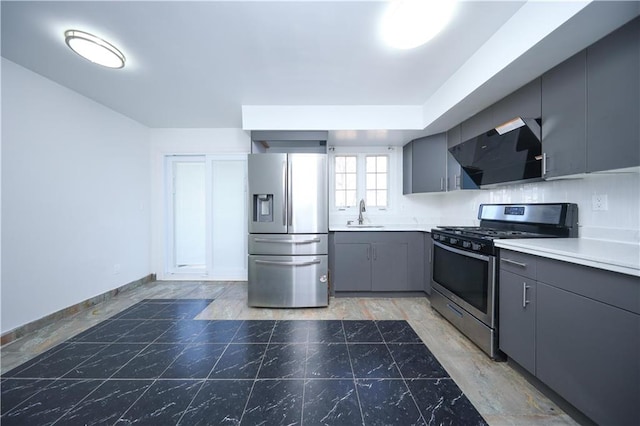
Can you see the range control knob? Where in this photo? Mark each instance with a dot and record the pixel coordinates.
(466, 244)
(453, 240)
(476, 246)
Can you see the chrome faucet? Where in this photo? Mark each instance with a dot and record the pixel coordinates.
(361, 209)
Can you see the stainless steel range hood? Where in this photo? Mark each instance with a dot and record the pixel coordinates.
(510, 153)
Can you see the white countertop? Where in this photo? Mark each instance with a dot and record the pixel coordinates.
(603, 254)
(384, 227)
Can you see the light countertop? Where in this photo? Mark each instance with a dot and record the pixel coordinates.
(609, 255)
(385, 227)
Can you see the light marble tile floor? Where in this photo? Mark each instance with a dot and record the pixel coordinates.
(498, 392)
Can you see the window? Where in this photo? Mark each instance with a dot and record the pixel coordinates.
(345, 180)
(361, 176)
(377, 180)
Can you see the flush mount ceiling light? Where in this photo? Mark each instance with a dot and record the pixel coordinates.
(94, 49)
(410, 23)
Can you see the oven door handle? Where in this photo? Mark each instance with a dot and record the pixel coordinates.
(462, 252)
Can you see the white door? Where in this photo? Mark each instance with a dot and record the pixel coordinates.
(206, 217)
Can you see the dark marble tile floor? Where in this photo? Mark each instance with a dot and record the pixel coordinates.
(153, 364)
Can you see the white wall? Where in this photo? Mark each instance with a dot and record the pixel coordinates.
(75, 198)
(620, 222)
(183, 142)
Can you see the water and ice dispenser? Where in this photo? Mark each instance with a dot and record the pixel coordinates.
(263, 207)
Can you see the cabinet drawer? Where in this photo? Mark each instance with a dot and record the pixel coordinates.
(612, 288)
(518, 263)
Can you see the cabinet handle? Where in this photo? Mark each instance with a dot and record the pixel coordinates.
(375, 254)
(368, 253)
(441, 184)
(513, 262)
(544, 164)
(525, 302)
(457, 183)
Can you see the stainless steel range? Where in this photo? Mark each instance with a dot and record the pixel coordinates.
(464, 277)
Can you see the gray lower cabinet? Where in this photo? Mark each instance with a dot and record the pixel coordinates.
(577, 329)
(518, 308)
(352, 271)
(588, 352)
(378, 261)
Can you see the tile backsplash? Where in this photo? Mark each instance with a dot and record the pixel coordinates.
(620, 221)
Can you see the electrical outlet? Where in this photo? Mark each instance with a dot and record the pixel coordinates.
(599, 202)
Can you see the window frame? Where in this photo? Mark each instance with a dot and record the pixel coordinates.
(393, 168)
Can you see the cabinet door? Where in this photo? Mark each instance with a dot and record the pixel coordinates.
(428, 273)
(429, 164)
(589, 352)
(390, 267)
(613, 94)
(524, 102)
(517, 319)
(480, 123)
(352, 267)
(564, 117)
(407, 170)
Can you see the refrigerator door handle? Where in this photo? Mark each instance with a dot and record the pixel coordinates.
(290, 193)
(284, 193)
(267, 240)
(272, 262)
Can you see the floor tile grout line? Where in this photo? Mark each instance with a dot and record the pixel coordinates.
(115, 372)
(153, 380)
(353, 373)
(208, 375)
(255, 379)
(402, 375)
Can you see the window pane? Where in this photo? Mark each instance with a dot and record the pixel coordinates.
(351, 164)
(189, 214)
(340, 164)
(382, 199)
(371, 198)
(340, 178)
(381, 181)
(371, 164)
(351, 181)
(340, 198)
(382, 164)
(351, 198)
(371, 181)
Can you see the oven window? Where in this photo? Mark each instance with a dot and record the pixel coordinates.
(466, 277)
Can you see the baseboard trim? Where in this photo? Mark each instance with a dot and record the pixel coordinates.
(32, 326)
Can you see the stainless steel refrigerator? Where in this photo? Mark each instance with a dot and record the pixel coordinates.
(288, 230)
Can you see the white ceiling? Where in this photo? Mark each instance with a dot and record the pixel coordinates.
(195, 64)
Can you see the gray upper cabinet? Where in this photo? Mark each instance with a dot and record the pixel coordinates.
(480, 123)
(613, 94)
(457, 178)
(524, 102)
(564, 117)
(424, 164)
(591, 105)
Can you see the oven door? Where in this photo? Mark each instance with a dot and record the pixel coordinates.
(466, 278)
